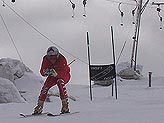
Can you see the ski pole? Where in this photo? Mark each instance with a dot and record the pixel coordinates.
(71, 62)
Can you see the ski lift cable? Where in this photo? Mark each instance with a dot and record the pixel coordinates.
(144, 6)
(128, 3)
(121, 52)
(11, 38)
(43, 35)
(116, 1)
(123, 47)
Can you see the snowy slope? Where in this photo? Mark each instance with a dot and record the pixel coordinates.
(136, 104)
(30, 86)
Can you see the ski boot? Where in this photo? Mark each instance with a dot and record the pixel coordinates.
(38, 108)
(64, 108)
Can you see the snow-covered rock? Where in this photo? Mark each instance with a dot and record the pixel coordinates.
(126, 72)
(8, 92)
(12, 69)
(17, 82)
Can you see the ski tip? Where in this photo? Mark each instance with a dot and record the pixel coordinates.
(30, 115)
(22, 115)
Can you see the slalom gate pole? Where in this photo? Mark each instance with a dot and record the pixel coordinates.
(89, 66)
(114, 60)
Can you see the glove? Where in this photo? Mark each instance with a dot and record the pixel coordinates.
(53, 73)
(46, 72)
(50, 72)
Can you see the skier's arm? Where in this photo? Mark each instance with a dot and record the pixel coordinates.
(44, 70)
(63, 68)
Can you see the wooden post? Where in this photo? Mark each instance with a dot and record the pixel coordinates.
(150, 73)
(13, 1)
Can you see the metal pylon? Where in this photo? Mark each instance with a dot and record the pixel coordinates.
(140, 10)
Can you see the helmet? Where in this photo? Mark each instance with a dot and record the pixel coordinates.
(52, 51)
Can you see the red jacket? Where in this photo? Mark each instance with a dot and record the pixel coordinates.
(61, 67)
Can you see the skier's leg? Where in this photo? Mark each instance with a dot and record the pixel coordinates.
(63, 96)
(38, 108)
(43, 94)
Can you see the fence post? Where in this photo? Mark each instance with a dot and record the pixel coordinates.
(150, 73)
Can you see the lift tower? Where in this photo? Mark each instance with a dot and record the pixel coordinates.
(140, 10)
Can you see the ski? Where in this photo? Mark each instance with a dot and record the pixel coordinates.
(46, 114)
(54, 115)
(31, 115)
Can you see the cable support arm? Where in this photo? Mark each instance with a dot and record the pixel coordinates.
(3, 3)
(133, 11)
(158, 11)
(160, 17)
(73, 7)
(84, 4)
(153, 3)
(122, 13)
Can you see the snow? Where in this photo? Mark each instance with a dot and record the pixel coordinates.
(8, 92)
(20, 87)
(136, 103)
(30, 85)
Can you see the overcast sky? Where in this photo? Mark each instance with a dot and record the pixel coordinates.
(53, 19)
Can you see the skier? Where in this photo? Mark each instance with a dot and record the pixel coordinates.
(54, 67)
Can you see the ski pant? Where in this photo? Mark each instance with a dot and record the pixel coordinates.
(51, 81)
